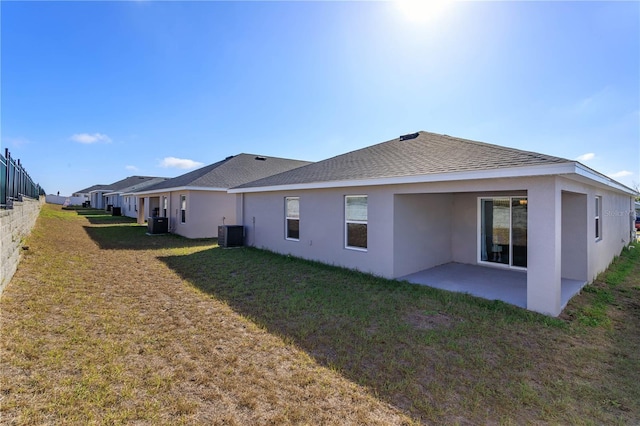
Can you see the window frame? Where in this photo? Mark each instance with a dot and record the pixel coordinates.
(348, 221)
(598, 217)
(287, 218)
(183, 208)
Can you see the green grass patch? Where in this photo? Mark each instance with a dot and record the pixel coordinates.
(601, 295)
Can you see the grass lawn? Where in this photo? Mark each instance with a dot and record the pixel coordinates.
(104, 324)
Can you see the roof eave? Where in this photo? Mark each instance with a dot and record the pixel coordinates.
(178, 188)
(540, 170)
(584, 171)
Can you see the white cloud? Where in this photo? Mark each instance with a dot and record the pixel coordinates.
(132, 168)
(87, 138)
(620, 174)
(586, 157)
(179, 163)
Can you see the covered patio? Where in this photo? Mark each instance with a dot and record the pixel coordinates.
(507, 285)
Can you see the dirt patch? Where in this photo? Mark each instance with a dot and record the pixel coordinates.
(422, 320)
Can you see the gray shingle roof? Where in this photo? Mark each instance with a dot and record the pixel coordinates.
(230, 172)
(428, 153)
(92, 188)
(128, 181)
(141, 185)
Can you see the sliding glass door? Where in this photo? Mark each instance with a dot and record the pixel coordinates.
(503, 231)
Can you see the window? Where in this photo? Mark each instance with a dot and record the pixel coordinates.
(503, 231)
(598, 218)
(292, 218)
(356, 221)
(165, 206)
(183, 208)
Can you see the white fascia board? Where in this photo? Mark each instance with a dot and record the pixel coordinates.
(542, 170)
(113, 193)
(176, 189)
(584, 171)
(95, 191)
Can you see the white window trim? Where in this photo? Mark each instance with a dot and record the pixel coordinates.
(598, 218)
(347, 222)
(479, 235)
(183, 219)
(286, 218)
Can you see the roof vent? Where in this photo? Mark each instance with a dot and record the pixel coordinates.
(259, 158)
(229, 157)
(409, 136)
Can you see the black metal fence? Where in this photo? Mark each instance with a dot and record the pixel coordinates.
(15, 182)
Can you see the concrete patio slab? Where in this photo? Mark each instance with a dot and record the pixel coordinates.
(507, 285)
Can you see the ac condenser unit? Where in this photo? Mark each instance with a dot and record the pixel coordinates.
(157, 225)
(230, 235)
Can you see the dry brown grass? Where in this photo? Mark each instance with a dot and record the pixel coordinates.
(120, 338)
(104, 325)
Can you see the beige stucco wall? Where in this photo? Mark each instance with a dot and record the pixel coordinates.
(423, 225)
(617, 212)
(417, 226)
(206, 210)
(130, 206)
(410, 227)
(575, 224)
(615, 230)
(322, 227)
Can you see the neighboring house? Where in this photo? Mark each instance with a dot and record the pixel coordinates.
(424, 200)
(86, 193)
(197, 202)
(103, 196)
(129, 203)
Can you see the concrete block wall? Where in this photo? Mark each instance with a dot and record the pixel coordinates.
(15, 225)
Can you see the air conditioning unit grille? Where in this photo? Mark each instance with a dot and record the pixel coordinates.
(230, 235)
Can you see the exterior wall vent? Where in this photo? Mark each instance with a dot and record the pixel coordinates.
(409, 136)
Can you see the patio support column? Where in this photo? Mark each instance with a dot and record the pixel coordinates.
(544, 258)
(141, 204)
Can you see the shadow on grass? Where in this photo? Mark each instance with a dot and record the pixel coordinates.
(135, 237)
(108, 220)
(409, 344)
(86, 211)
(101, 217)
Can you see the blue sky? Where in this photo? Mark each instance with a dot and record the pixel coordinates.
(92, 92)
